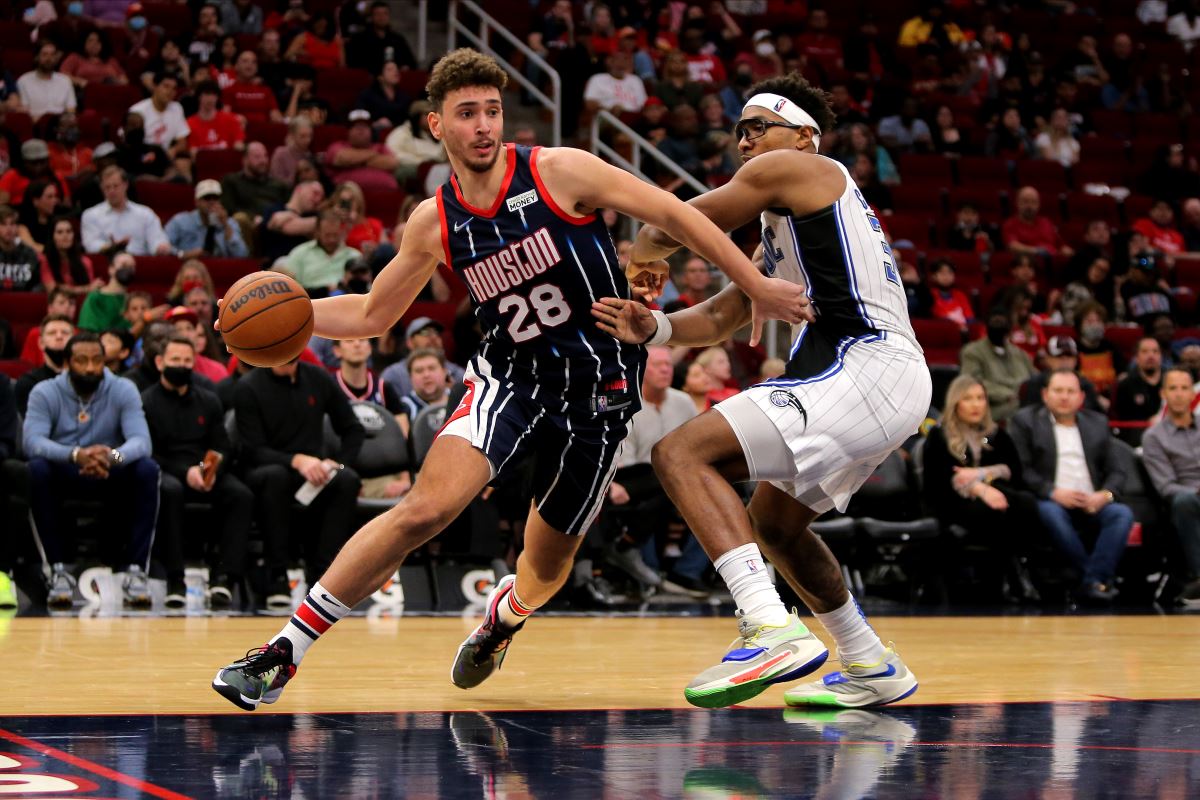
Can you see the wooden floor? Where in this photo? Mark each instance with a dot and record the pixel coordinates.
(164, 665)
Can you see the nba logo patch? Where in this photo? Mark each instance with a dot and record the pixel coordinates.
(782, 102)
(752, 565)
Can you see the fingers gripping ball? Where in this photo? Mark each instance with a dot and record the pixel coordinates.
(266, 319)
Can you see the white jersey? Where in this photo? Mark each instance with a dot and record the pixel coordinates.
(841, 255)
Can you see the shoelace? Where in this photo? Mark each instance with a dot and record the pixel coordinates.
(262, 659)
(491, 641)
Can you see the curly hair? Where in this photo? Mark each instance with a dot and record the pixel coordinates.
(796, 88)
(461, 68)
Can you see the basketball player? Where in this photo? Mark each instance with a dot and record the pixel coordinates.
(855, 388)
(520, 227)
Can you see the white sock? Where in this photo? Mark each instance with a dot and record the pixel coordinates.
(857, 642)
(745, 573)
(510, 609)
(314, 616)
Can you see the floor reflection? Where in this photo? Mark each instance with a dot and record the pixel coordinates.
(1119, 749)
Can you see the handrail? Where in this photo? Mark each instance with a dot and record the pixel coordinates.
(488, 24)
(639, 143)
(422, 32)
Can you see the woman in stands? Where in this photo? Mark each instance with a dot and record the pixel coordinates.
(65, 265)
(190, 272)
(363, 233)
(96, 64)
(972, 479)
(37, 213)
(319, 46)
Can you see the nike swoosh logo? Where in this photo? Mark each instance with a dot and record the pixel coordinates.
(329, 599)
(458, 227)
(887, 673)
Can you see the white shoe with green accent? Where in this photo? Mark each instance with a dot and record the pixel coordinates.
(763, 655)
(858, 685)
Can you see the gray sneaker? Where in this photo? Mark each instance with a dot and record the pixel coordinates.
(62, 588)
(136, 587)
(1190, 596)
(630, 560)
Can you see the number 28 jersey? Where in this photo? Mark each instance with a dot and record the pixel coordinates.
(533, 273)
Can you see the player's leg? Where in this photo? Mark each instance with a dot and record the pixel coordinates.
(871, 673)
(697, 464)
(454, 472)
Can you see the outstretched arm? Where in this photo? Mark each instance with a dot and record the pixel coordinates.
(707, 323)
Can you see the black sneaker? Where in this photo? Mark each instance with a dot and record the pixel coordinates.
(176, 593)
(484, 650)
(257, 678)
(1190, 596)
(279, 594)
(220, 592)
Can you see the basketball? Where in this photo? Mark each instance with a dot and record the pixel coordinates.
(266, 319)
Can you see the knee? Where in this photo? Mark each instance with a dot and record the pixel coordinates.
(346, 482)
(170, 487)
(1185, 504)
(768, 532)
(236, 492)
(145, 470)
(669, 456)
(39, 469)
(420, 515)
(271, 477)
(1121, 513)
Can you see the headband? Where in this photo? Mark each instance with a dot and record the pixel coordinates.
(789, 111)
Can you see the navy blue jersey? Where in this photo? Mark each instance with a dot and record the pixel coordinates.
(533, 273)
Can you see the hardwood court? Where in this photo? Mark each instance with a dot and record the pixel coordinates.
(164, 665)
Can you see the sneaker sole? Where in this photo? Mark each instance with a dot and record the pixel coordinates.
(232, 694)
(831, 700)
(722, 696)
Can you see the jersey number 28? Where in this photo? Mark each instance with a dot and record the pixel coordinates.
(548, 304)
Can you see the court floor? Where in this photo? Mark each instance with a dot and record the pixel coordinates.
(1082, 706)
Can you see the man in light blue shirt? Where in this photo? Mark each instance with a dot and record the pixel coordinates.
(121, 224)
(208, 230)
(86, 438)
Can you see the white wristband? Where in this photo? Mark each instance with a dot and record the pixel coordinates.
(663, 334)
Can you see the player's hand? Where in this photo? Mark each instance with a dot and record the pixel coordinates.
(778, 299)
(648, 278)
(217, 316)
(195, 479)
(627, 320)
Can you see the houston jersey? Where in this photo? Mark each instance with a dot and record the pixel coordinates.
(841, 255)
(533, 273)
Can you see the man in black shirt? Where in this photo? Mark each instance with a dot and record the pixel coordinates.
(379, 43)
(1138, 396)
(154, 339)
(186, 422)
(56, 332)
(20, 264)
(280, 421)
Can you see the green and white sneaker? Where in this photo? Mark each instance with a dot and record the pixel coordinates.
(257, 678)
(761, 656)
(8, 591)
(858, 685)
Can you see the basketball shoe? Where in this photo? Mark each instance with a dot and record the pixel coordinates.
(259, 677)
(484, 650)
(8, 592)
(761, 656)
(858, 685)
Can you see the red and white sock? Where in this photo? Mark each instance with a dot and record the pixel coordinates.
(508, 608)
(315, 615)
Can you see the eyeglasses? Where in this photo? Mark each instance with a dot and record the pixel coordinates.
(755, 128)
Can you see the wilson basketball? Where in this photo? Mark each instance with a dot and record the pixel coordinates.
(266, 319)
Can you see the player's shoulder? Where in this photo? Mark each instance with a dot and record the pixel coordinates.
(562, 159)
(788, 165)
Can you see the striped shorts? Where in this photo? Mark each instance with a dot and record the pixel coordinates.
(575, 451)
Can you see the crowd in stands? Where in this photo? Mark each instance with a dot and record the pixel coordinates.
(1034, 165)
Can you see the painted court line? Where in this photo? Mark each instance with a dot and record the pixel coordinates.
(792, 743)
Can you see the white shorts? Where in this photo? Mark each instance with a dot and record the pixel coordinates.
(820, 439)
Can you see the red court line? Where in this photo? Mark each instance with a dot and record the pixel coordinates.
(93, 767)
(792, 743)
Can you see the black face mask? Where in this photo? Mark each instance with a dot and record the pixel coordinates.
(178, 376)
(124, 276)
(997, 334)
(135, 136)
(57, 355)
(86, 384)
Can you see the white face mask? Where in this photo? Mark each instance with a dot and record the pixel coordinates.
(764, 49)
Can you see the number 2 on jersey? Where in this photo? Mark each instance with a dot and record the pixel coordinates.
(549, 306)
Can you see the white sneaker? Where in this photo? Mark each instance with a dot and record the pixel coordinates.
(136, 587)
(858, 685)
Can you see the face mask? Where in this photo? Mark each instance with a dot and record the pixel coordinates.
(1091, 333)
(75, 9)
(997, 334)
(137, 23)
(70, 136)
(135, 136)
(178, 376)
(86, 384)
(124, 276)
(764, 49)
(57, 355)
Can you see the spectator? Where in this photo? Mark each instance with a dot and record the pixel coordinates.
(212, 127)
(204, 39)
(1139, 394)
(422, 333)
(818, 46)
(169, 60)
(697, 385)
(682, 143)
(68, 157)
(35, 166)
(696, 283)
(677, 86)
(247, 195)
(95, 64)
(413, 145)
(59, 302)
(930, 28)
(916, 290)
(208, 230)
(280, 413)
(320, 46)
(1184, 24)
(118, 346)
(1096, 285)
(192, 272)
(200, 302)
(949, 303)
(241, 17)
(137, 156)
(44, 90)
(758, 64)
(56, 331)
(1029, 231)
(1027, 332)
(379, 43)
(358, 159)
(248, 95)
(703, 67)
(1061, 353)
(37, 211)
(947, 139)
(1145, 292)
(859, 139)
(1191, 225)
(1159, 229)
(104, 308)
(616, 90)
(1124, 90)
(120, 224)
(1172, 176)
(162, 117)
(20, 264)
(384, 100)
(998, 364)
(1172, 456)
(873, 191)
(430, 386)
(185, 322)
(716, 363)
(63, 263)
(186, 425)
(1056, 142)
(154, 341)
(320, 264)
(1098, 357)
(1097, 243)
(272, 69)
(643, 63)
(972, 478)
(1009, 140)
(296, 146)
(969, 233)
(287, 226)
(1070, 464)
(363, 233)
(906, 132)
(357, 381)
(86, 437)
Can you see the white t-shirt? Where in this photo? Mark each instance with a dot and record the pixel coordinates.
(1072, 469)
(1178, 27)
(650, 424)
(627, 94)
(1065, 151)
(52, 95)
(162, 127)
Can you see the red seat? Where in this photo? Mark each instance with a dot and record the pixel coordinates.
(1135, 207)
(326, 135)
(927, 168)
(14, 33)
(174, 18)
(14, 368)
(1158, 125)
(916, 228)
(967, 263)
(167, 199)
(1125, 338)
(1096, 170)
(216, 164)
(348, 78)
(1112, 124)
(940, 339)
(1187, 273)
(228, 271)
(991, 202)
(920, 197)
(271, 134)
(1084, 206)
(974, 170)
(412, 82)
(1048, 177)
(159, 271)
(111, 102)
(21, 124)
(17, 60)
(385, 206)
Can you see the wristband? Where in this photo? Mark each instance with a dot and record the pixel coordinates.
(663, 334)
(74, 455)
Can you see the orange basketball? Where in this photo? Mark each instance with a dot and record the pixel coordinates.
(266, 319)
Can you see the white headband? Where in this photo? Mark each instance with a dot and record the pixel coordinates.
(789, 111)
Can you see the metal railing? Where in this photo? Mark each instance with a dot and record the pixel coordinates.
(488, 24)
(422, 32)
